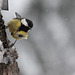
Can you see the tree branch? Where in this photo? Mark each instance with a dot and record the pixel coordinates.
(8, 56)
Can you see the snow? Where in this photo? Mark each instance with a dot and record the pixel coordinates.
(10, 54)
(1, 52)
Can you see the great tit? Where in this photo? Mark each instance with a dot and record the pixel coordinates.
(19, 27)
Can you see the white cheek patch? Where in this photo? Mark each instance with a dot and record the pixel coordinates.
(23, 21)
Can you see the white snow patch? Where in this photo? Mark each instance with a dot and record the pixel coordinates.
(0, 42)
(1, 52)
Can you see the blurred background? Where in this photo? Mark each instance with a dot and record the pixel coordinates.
(50, 47)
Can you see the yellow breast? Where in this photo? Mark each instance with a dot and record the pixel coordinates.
(13, 25)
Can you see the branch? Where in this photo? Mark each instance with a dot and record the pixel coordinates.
(8, 56)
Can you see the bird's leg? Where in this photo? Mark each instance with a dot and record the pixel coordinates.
(12, 44)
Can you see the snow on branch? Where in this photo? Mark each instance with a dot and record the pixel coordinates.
(8, 56)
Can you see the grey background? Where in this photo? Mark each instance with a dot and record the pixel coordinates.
(50, 47)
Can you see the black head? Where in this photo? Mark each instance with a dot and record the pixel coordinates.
(26, 25)
(30, 23)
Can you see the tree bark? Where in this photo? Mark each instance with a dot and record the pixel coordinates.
(8, 56)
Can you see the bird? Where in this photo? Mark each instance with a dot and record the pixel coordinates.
(19, 27)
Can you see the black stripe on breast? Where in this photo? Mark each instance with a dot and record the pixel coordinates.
(23, 28)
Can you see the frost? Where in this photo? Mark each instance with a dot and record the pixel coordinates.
(10, 55)
(7, 55)
(1, 52)
(1, 56)
(0, 42)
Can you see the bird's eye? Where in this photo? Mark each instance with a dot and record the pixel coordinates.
(20, 36)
